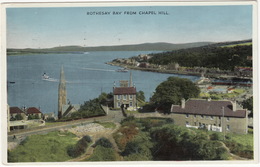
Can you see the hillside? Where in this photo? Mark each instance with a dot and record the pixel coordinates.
(137, 47)
(225, 56)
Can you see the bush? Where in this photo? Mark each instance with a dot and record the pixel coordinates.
(87, 138)
(216, 136)
(104, 142)
(78, 149)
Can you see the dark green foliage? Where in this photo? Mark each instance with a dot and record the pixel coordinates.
(79, 148)
(104, 142)
(248, 104)
(50, 119)
(140, 96)
(131, 148)
(18, 117)
(173, 90)
(103, 154)
(30, 117)
(216, 136)
(139, 148)
(87, 138)
(239, 149)
(90, 108)
(225, 58)
(177, 143)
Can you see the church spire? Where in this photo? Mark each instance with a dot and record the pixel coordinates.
(62, 97)
(131, 80)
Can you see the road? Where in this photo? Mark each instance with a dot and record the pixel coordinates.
(115, 116)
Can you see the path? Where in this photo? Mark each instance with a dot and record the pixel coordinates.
(95, 136)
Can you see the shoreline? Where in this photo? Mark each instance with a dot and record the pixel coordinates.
(208, 75)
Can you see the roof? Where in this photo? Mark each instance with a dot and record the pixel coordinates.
(124, 90)
(33, 110)
(15, 110)
(211, 108)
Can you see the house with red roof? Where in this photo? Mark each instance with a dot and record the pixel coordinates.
(222, 116)
(33, 113)
(125, 96)
(16, 112)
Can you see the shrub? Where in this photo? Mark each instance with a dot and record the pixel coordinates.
(104, 142)
(78, 149)
(216, 136)
(87, 138)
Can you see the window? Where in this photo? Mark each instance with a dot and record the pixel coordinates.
(207, 117)
(118, 105)
(195, 123)
(194, 116)
(227, 118)
(211, 117)
(124, 97)
(202, 116)
(118, 97)
(187, 123)
(130, 97)
(228, 127)
(131, 104)
(187, 115)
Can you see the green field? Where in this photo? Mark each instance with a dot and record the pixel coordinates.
(51, 147)
(219, 96)
(241, 44)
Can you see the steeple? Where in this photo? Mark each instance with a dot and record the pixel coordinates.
(62, 97)
(131, 80)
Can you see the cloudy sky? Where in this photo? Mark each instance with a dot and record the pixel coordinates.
(99, 26)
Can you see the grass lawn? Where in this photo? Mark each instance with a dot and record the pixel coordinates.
(51, 147)
(246, 140)
(103, 154)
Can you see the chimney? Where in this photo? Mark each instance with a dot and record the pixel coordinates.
(183, 103)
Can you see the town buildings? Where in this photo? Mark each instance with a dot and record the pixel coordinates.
(222, 116)
(19, 118)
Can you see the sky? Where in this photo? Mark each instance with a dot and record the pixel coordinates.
(48, 27)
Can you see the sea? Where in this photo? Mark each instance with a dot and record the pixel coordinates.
(86, 75)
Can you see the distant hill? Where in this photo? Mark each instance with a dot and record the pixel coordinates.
(161, 46)
(136, 47)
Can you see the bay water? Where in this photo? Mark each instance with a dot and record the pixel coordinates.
(86, 76)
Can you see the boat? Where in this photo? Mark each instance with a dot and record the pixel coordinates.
(122, 70)
(45, 76)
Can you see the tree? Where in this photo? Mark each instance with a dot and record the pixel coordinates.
(140, 96)
(173, 90)
(248, 103)
(18, 117)
(104, 142)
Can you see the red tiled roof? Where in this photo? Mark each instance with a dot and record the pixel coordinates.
(124, 90)
(211, 108)
(33, 110)
(15, 110)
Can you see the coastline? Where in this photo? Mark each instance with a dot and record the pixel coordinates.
(208, 75)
